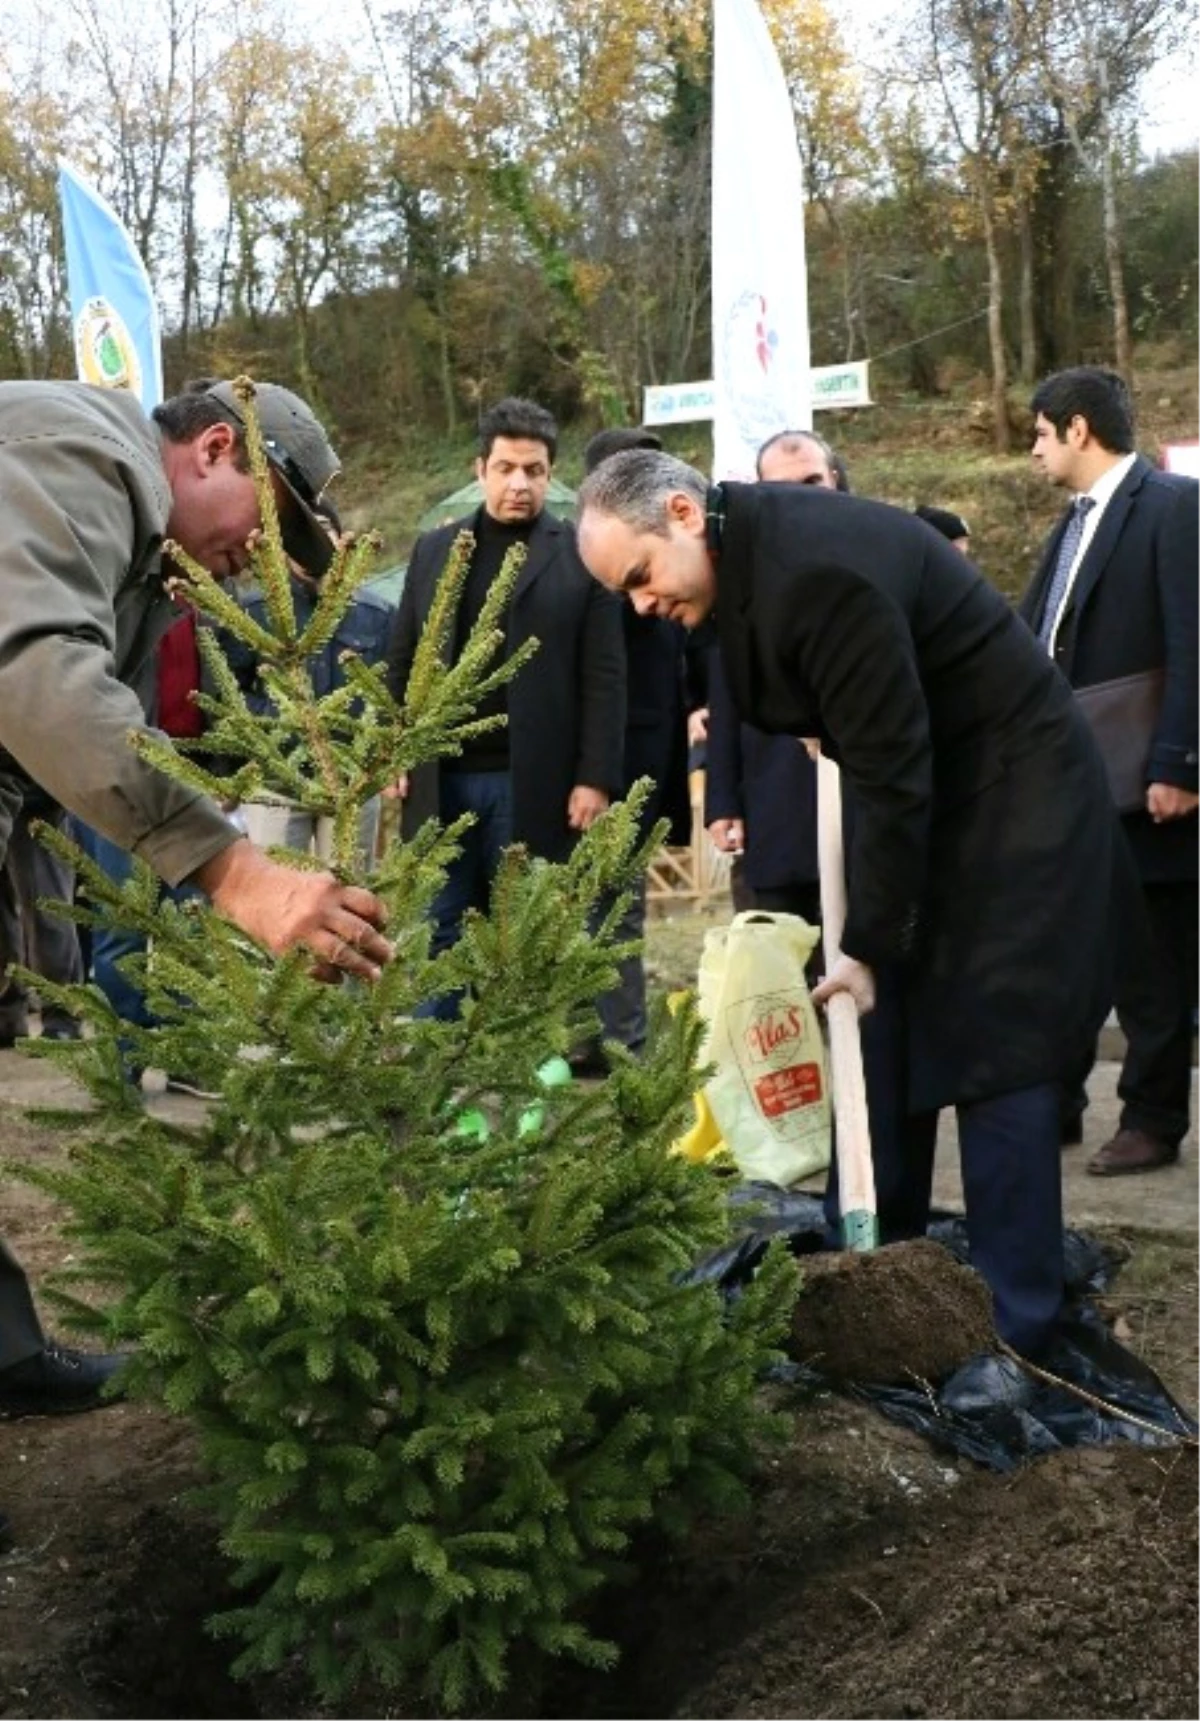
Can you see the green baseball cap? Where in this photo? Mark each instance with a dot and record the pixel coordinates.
(300, 452)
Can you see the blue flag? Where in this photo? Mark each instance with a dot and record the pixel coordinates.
(113, 310)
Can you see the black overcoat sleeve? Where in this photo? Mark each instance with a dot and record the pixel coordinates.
(853, 648)
(600, 761)
(723, 796)
(408, 622)
(1173, 752)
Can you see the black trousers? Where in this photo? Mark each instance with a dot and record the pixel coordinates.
(30, 934)
(21, 1334)
(801, 899)
(1011, 1172)
(1155, 1002)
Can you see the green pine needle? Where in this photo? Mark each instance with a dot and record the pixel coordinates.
(439, 1373)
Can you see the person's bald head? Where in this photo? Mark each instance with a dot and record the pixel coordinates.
(797, 457)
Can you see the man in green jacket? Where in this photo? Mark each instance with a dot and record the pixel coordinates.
(89, 490)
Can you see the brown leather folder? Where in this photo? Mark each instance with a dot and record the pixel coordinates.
(1123, 716)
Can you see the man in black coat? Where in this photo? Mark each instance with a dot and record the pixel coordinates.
(760, 791)
(554, 766)
(655, 747)
(981, 860)
(1115, 596)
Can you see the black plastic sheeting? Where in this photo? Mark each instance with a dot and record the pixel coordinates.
(1000, 1436)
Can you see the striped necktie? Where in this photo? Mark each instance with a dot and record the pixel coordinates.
(1068, 549)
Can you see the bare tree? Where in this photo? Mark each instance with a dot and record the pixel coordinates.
(977, 56)
(142, 73)
(34, 338)
(1092, 56)
(840, 156)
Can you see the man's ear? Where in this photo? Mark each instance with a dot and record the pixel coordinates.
(686, 510)
(480, 467)
(216, 443)
(1079, 431)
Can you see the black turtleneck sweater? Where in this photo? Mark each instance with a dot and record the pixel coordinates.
(493, 540)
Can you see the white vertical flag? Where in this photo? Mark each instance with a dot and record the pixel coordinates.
(759, 281)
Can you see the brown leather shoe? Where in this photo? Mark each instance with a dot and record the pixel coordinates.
(1131, 1150)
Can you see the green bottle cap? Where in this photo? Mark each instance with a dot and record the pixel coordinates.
(555, 1073)
(531, 1121)
(471, 1125)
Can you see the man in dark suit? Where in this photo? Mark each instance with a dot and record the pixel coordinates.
(1115, 596)
(981, 859)
(760, 791)
(547, 773)
(655, 747)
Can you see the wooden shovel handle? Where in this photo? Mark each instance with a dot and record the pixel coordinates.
(856, 1173)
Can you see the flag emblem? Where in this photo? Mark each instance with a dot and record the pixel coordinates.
(755, 390)
(105, 353)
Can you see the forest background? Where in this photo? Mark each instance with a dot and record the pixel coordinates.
(406, 212)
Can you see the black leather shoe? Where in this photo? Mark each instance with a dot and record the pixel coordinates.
(986, 1382)
(57, 1381)
(61, 1028)
(589, 1065)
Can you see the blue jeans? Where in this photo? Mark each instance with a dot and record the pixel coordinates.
(487, 795)
(112, 944)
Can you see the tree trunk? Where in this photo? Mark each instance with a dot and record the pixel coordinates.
(995, 321)
(1028, 362)
(1113, 251)
(1066, 328)
(191, 245)
(445, 367)
(849, 314)
(300, 342)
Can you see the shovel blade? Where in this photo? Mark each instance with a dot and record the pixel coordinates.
(860, 1231)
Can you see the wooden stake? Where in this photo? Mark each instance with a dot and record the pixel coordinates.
(856, 1172)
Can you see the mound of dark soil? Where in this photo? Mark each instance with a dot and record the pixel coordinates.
(1068, 1592)
(146, 1651)
(909, 1311)
(872, 1578)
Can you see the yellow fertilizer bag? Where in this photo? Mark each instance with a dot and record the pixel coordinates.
(769, 1100)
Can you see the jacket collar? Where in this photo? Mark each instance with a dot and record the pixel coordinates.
(543, 542)
(541, 545)
(1108, 531)
(731, 518)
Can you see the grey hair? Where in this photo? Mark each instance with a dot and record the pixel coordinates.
(787, 441)
(636, 485)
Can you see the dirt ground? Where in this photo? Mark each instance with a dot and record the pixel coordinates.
(874, 1577)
